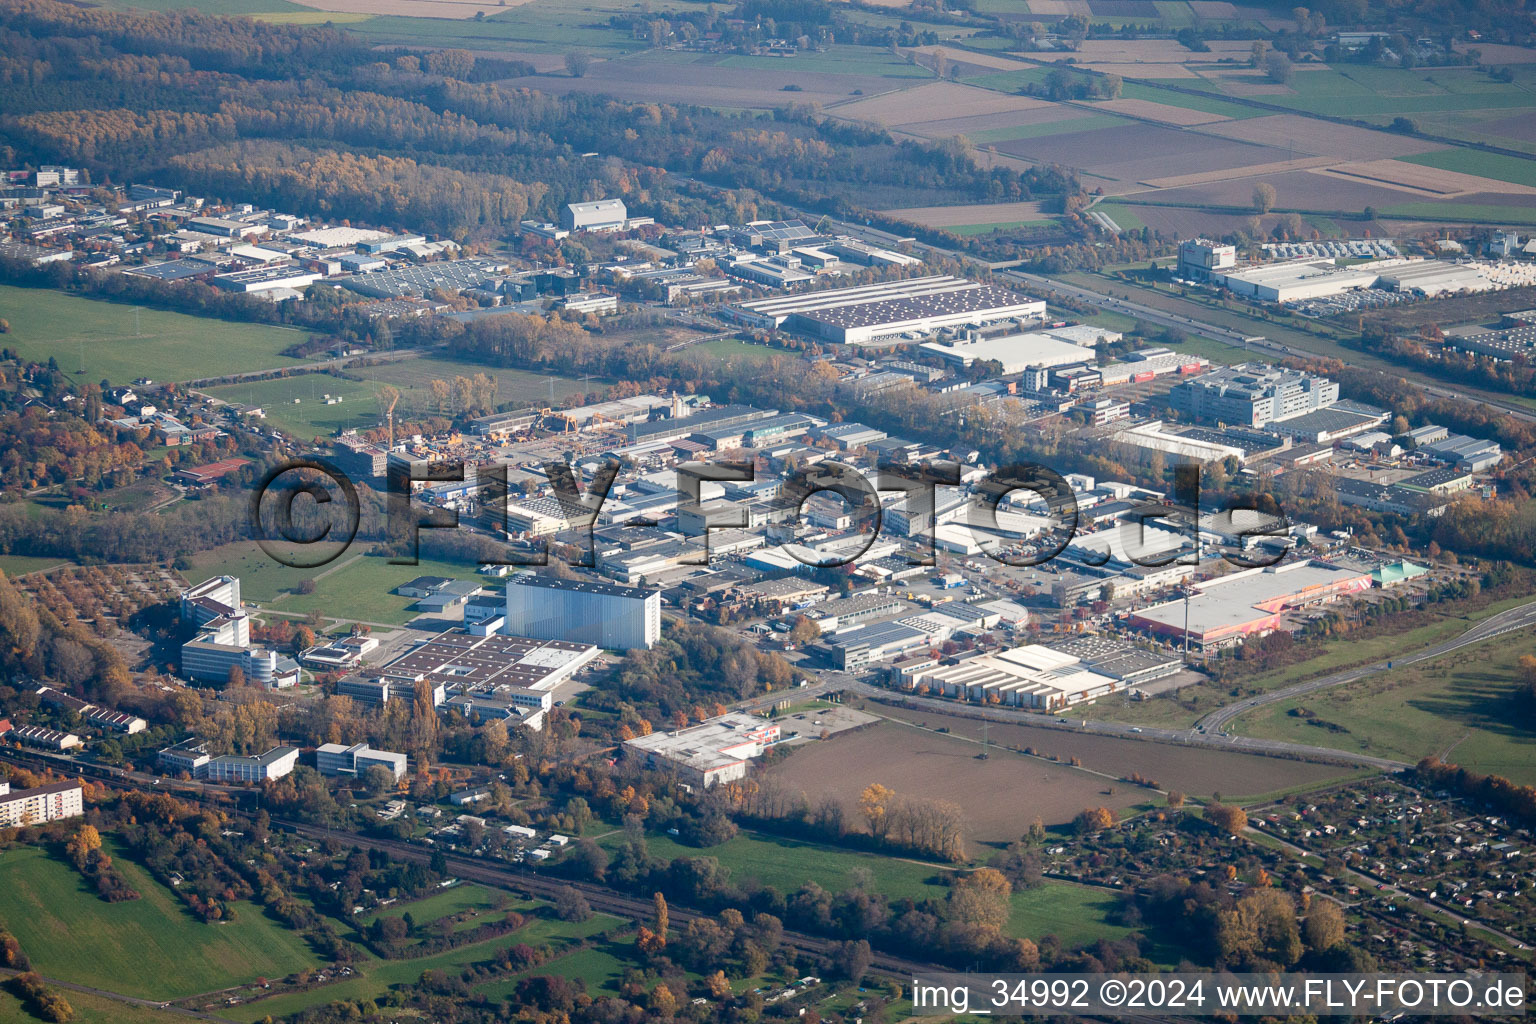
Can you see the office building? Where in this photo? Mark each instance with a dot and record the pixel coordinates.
(274, 764)
(1252, 395)
(189, 757)
(339, 759)
(1200, 257)
(22, 807)
(583, 611)
(222, 641)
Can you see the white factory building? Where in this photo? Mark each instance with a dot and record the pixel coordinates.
(599, 215)
(1015, 352)
(889, 311)
(583, 611)
(1031, 676)
(710, 753)
(1298, 280)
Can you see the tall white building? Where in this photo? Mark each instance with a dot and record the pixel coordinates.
(584, 611)
(1199, 257)
(599, 215)
(223, 639)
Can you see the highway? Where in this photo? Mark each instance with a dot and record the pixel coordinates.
(1521, 617)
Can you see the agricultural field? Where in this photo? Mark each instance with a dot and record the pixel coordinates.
(297, 405)
(1107, 759)
(1470, 709)
(152, 947)
(450, 9)
(951, 217)
(518, 387)
(919, 762)
(95, 340)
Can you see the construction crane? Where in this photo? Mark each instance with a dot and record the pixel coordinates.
(394, 397)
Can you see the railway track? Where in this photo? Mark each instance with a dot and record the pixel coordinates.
(601, 898)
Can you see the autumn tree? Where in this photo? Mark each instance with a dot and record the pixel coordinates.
(1227, 818)
(1324, 926)
(662, 917)
(577, 62)
(1093, 819)
(875, 805)
(1260, 931)
(980, 898)
(1263, 197)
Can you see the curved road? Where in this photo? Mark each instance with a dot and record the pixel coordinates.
(1494, 625)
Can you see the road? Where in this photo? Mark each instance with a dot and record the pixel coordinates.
(1252, 343)
(392, 356)
(1508, 621)
(118, 997)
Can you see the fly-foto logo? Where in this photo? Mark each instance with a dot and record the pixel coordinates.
(306, 512)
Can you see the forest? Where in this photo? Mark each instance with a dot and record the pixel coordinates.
(311, 120)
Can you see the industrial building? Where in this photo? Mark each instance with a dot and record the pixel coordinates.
(461, 660)
(870, 314)
(1302, 279)
(1468, 453)
(266, 279)
(340, 759)
(22, 807)
(1156, 436)
(598, 215)
(452, 276)
(1015, 352)
(1032, 676)
(1252, 394)
(1230, 609)
(583, 611)
(710, 753)
(1199, 258)
(1295, 280)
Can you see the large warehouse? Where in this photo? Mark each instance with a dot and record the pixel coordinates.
(874, 313)
(1225, 611)
(1295, 280)
(1031, 676)
(1015, 352)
